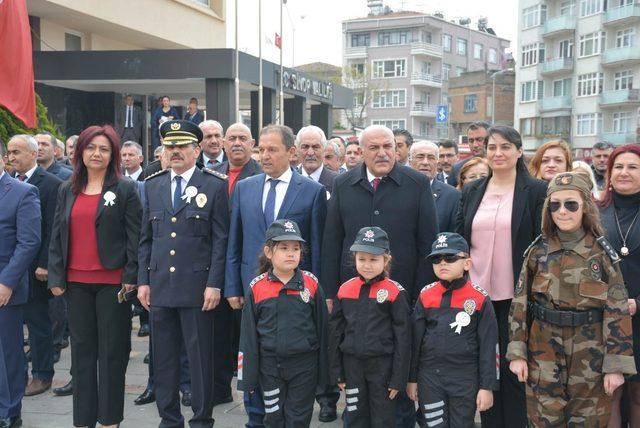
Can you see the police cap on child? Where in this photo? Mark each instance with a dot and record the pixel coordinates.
(448, 243)
(372, 240)
(284, 230)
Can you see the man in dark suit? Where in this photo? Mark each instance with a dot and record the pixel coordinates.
(20, 231)
(394, 197)
(193, 114)
(181, 270)
(211, 152)
(423, 157)
(311, 143)
(129, 121)
(238, 144)
(132, 158)
(46, 157)
(278, 193)
(477, 135)
(23, 150)
(447, 157)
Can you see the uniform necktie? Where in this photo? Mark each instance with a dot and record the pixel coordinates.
(22, 177)
(270, 204)
(375, 183)
(211, 163)
(177, 194)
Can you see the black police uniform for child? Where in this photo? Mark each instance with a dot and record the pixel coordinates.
(182, 251)
(454, 348)
(370, 340)
(283, 343)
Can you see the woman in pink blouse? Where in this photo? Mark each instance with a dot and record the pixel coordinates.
(500, 216)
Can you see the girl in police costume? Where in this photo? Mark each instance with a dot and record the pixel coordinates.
(283, 338)
(370, 335)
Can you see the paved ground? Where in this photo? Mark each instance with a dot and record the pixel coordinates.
(47, 410)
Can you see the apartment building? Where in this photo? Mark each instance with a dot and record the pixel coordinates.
(398, 65)
(577, 62)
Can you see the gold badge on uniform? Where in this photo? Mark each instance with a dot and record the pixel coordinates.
(381, 295)
(175, 126)
(201, 200)
(305, 295)
(469, 306)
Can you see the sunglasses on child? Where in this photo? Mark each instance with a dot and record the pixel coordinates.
(448, 258)
(571, 206)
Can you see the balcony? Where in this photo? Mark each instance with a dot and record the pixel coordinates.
(355, 52)
(622, 15)
(424, 79)
(617, 56)
(555, 103)
(428, 49)
(565, 24)
(619, 138)
(556, 66)
(423, 110)
(621, 98)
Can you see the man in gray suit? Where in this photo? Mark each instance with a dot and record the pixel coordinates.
(129, 121)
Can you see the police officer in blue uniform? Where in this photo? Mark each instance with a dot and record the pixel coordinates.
(182, 256)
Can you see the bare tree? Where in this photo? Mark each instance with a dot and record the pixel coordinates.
(358, 78)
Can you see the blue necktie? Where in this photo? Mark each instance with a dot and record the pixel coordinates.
(270, 204)
(177, 194)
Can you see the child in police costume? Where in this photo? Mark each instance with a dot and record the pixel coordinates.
(570, 329)
(370, 335)
(453, 362)
(283, 338)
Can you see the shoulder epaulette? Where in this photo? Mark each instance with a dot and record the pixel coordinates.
(220, 175)
(426, 287)
(157, 174)
(310, 275)
(480, 289)
(533, 244)
(258, 279)
(606, 246)
(400, 287)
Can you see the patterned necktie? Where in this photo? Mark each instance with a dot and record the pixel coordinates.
(177, 194)
(22, 177)
(270, 204)
(375, 183)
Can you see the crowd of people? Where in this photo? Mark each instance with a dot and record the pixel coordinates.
(423, 285)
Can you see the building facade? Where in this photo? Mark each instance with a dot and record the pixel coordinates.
(399, 64)
(577, 62)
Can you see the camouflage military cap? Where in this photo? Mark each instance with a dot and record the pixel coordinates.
(570, 181)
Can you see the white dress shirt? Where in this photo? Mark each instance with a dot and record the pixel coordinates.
(315, 175)
(371, 177)
(281, 190)
(28, 173)
(134, 176)
(206, 159)
(186, 176)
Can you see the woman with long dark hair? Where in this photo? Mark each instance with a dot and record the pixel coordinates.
(500, 216)
(620, 214)
(93, 254)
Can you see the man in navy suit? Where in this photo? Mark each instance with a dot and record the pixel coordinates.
(257, 201)
(448, 157)
(46, 157)
(19, 244)
(423, 157)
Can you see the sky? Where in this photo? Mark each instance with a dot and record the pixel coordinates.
(317, 25)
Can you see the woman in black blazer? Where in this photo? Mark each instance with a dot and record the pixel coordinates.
(484, 210)
(93, 254)
(620, 214)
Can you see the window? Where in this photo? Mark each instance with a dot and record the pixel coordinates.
(534, 15)
(587, 124)
(528, 126)
(478, 51)
(590, 7)
(389, 99)
(425, 36)
(625, 38)
(532, 54)
(567, 8)
(592, 43)
(446, 69)
(623, 80)
(392, 38)
(447, 41)
(462, 46)
(470, 103)
(358, 99)
(391, 124)
(556, 126)
(562, 88)
(202, 2)
(589, 84)
(360, 39)
(460, 71)
(357, 69)
(493, 56)
(565, 49)
(72, 42)
(531, 91)
(623, 121)
(389, 68)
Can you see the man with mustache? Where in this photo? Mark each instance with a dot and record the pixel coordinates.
(395, 198)
(311, 143)
(211, 145)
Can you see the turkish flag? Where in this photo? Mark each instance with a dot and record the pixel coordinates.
(17, 91)
(278, 41)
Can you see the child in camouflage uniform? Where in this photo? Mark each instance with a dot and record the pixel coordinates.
(570, 329)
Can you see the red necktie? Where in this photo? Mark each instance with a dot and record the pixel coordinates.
(22, 177)
(375, 183)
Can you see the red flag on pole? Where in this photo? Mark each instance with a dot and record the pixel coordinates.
(278, 41)
(17, 92)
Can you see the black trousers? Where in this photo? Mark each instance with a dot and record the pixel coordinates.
(223, 357)
(509, 403)
(288, 389)
(170, 327)
(367, 393)
(100, 345)
(36, 317)
(447, 400)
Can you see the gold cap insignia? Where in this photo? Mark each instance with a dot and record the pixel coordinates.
(175, 126)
